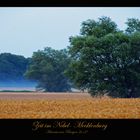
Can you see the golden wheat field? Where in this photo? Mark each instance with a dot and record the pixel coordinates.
(66, 105)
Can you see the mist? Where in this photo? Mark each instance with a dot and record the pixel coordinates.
(18, 85)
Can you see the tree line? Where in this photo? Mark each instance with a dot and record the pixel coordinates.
(12, 67)
(102, 59)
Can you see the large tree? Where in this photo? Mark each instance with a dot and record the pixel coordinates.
(47, 68)
(105, 59)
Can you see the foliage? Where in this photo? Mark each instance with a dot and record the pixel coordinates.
(98, 28)
(47, 68)
(12, 67)
(105, 59)
(133, 25)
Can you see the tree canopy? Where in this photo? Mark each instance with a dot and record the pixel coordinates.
(47, 68)
(133, 25)
(106, 60)
(98, 28)
(12, 67)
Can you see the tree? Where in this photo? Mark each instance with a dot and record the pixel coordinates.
(98, 28)
(106, 62)
(47, 68)
(133, 25)
(12, 67)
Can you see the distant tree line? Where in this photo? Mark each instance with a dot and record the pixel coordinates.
(12, 67)
(102, 60)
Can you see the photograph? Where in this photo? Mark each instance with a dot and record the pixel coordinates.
(70, 70)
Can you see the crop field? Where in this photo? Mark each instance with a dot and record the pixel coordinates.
(66, 105)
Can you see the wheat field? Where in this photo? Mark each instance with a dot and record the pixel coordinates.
(66, 105)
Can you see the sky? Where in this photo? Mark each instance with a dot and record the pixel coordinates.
(24, 30)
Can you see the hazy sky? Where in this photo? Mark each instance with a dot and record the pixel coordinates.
(25, 30)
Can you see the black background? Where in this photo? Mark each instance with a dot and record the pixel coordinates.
(68, 3)
(116, 128)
